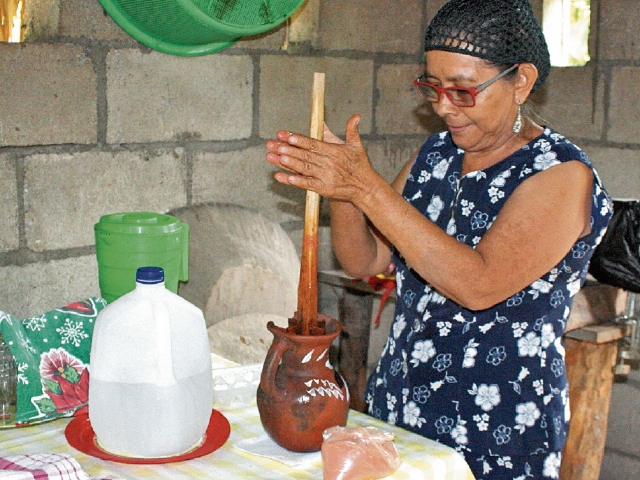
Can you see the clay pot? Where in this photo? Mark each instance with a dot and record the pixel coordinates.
(300, 394)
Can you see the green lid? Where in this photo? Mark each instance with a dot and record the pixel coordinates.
(148, 223)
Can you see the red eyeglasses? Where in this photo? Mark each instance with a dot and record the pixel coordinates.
(459, 96)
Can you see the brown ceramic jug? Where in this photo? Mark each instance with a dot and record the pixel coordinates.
(300, 394)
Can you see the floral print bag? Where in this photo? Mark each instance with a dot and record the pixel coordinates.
(52, 355)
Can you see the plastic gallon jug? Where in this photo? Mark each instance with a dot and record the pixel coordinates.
(151, 387)
(127, 241)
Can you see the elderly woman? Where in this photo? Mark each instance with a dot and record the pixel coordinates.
(490, 227)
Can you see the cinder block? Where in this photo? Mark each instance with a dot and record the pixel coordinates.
(48, 95)
(619, 170)
(389, 156)
(36, 288)
(624, 115)
(66, 194)
(87, 18)
(572, 106)
(9, 202)
(616, 466)
(400, 107)
(245, 178)
(156, 97)
(372, 25)
(285, 93)
(618, 34)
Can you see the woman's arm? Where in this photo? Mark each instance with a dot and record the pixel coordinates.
(358, 245)
(535, 229)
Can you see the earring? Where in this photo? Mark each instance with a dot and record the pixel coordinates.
(517, 125)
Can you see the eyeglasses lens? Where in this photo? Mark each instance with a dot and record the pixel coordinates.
(459, 97)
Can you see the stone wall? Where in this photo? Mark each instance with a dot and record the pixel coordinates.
(92, 122)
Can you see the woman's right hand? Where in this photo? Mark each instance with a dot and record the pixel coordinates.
(333, 168)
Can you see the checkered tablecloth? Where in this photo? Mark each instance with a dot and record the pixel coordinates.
(423, 459)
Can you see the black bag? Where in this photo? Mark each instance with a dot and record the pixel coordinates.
(616, 261)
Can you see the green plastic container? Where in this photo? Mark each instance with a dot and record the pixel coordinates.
(127, 241)
(197, 27)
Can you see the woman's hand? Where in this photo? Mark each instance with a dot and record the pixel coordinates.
(332, 168)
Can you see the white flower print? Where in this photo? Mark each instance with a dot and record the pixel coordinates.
(392, 419)
(398, 326)
(482, 421)
(545, 160)
(479, 220)
(411, 415)
(538, 385)
(478, 175)
(559, 347)
(500, 180)
(551, 467)
(547, 335)
(391, 401)
(422, 351)
(440, 170)
(424, 176)
(540, 286)
(518, 329)
(467, 207)
(459, 433)
(529, 345)
(495, 194)
(399, 280)
(435, 207)
(470, 352)
(526, 415)
(444, 327)
(487, 396)
(573, 287)
(543, 145)
(451, 227)
(502, 434)
(442, 362)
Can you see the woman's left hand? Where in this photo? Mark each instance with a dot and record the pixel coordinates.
(332, 168)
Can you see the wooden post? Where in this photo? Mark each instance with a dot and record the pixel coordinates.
(590, 376)
(355, 315)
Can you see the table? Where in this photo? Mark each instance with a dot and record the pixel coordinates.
(423, 459)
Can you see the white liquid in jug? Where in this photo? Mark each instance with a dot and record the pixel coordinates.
(147, 420)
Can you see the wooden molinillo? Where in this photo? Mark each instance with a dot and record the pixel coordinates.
(300, 394)
(306, 320)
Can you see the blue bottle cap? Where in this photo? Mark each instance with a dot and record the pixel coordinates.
(149, 275)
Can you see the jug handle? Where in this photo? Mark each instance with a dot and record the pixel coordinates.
(271, 364)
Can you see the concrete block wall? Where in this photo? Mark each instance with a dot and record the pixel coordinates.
(91, 123)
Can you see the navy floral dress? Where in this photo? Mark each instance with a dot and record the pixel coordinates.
(489, 383)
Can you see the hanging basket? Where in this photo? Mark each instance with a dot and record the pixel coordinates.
(197, 27)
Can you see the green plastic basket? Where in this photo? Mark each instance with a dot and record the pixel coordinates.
(197, 27)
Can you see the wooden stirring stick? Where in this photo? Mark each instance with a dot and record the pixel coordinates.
(308, 286)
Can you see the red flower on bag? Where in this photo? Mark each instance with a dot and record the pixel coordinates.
(65, 380)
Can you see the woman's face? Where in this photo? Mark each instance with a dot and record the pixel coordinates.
(487, 125)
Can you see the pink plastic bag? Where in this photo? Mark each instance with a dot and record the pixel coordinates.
(359, 453)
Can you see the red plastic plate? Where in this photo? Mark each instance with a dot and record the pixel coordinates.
(81, 436)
